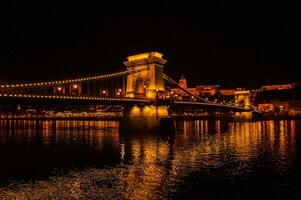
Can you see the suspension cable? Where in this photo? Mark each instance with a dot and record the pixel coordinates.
(53, 83)
(190, 93)
(185, 90)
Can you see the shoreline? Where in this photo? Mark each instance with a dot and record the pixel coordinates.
(118, 118)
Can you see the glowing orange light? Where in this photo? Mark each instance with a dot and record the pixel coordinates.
(75, 86)
(59, 88)
(103, 91)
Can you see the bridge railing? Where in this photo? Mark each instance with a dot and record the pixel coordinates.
(61, 97)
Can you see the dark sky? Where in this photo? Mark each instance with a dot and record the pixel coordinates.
(226, 43)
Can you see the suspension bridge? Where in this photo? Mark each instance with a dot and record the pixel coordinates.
(142, 83)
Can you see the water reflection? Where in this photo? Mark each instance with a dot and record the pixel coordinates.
(104, 162)
(41, 147)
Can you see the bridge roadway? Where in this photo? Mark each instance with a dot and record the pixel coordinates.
(73, 99)
(23, 98)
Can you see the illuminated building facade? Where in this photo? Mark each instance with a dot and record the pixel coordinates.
(266, 107)
(202, 90)
(183, 82)
(227, 92)
(280, 99)
(207, 90)
(279, 87)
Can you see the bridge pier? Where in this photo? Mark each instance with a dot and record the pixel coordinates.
(243, 116)
(147, 117)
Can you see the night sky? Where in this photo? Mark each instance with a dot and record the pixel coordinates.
(231, 44)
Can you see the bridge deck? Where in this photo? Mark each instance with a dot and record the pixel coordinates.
(79, 99)
(211, 105)
(116, 101)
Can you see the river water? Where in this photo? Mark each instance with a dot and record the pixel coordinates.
(202, 159)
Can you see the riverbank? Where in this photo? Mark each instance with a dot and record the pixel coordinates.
(176, 117)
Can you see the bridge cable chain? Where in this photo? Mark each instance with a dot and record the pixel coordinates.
(170, 80)
(53, 83)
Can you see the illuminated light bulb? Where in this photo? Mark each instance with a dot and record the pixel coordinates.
(75, 86)
(59, 88)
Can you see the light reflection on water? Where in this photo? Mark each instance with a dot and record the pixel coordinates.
(97, 160)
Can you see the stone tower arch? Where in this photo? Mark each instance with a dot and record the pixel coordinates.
(242, 98)
(151, 77)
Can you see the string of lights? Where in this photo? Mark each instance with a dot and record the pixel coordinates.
(210, 104)
(77, 98)
(53, 83)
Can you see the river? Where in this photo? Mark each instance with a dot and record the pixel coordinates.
(200, 159)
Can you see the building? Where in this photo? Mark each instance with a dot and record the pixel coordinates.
(280, 99)
(212, 92)
(227, 92)
(207, 90)
(183, 84)
(279, 87)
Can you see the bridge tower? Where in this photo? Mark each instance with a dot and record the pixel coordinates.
(149, 82)
(243, 98)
